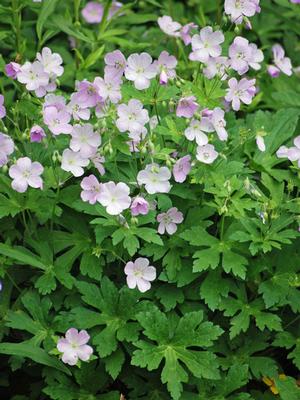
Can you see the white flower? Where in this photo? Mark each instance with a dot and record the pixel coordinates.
(132, 117)
(206, 154)
(115, 197)
(206, 44)
(196, 130)
(51, 62)
(33, 75)
(168, 26)
(85, 140)
(155, 179)
(73, 162)
(140, 273)
(140, 70)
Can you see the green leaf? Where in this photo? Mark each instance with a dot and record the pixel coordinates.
(48, 8)
(36, 354)
(22, 255)
(114, 362)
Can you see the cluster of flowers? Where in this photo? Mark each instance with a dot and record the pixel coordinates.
(71, 118)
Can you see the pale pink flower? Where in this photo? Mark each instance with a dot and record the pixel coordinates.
(153, 122)
(26, 173)
(87, 94)
(166, 65)
(155, 178)
(92, 12)
(12, 69)
(260, 143)
(187, 106)
(85, 140)
(57, 121)
(216, 66)
(244, 54)
(196, 129)
(115, 64)
(91, 189)
(139, 206)
(74, 346)
(182, 168)
(169, 220)
(132, 117)
(98, 161)
(273, 71)
(109, 88)
(52, 100)
(282, 152)
(78, 112)
(238, 9)
(33, 75)
(168, 26)
(41, 91)
(140, 273)
(6, 148)
(115, 197)
(206, 154)
(206, 44)
(37, 134)
(51, 62)
(140, 70)
(281, 62)
(218, 121)
(73, 162)
(240, 91)
(2, 107)
(185, 33)
(293, 153)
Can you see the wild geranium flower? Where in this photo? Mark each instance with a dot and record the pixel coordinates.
(73, 162)
(166, 65)
(139, 206)
(187, 106)
(219, 123)
(98, 161)
(132, 117)
(196, 129)
(238, 9)
(87, 94)
(244, 54)
(182, 168)
(2, 107)
(33, 75)
(115, 64)
(77, 111)
(140, 70)
(206, 44)
(155, 178)
(281, 62)
(26, 173)
(57, 121)
(185, 33)
(109, 88)
(12, 69)
(140, 273)
(115, 197)
(6, 148)
(240, 91)
(153, 122)
(51, 62)
(92, 12)
(37, 134)
(169, 220)
(74, 346)
(216, 66)
(260, 143)
(91, 189)
(206, 154)
(168, 26)
(52, 100)
(85, 140)
(292, 153)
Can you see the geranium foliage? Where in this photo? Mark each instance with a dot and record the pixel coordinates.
(149, 200)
